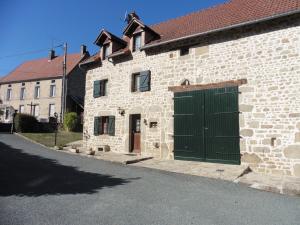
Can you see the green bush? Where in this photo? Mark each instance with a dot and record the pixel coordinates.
(70, 121)
(25, 123)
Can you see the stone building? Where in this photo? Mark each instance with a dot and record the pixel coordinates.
(35, 87)
(218, 85)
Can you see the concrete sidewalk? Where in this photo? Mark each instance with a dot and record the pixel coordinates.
(233, 173)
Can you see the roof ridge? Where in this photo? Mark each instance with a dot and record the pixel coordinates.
(191, 13)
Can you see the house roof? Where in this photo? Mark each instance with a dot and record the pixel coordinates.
(231, 13)
(42, 69)
(111, 36)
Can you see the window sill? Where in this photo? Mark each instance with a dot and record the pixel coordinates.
(104, 96)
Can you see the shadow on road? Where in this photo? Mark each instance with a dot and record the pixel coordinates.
(24, 174)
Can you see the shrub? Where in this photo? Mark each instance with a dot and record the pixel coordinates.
(25, 123)
(70, 121)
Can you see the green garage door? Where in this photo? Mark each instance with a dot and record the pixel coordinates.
(206, 125)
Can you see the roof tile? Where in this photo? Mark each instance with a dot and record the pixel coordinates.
(42, 69)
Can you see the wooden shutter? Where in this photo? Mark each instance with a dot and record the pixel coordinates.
(145, 81)
(97, 88)
(96, 126)
(111, 125)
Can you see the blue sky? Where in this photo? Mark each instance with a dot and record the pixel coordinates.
(33, 25)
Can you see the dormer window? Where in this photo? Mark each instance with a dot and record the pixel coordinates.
(105, 51)
(137, 42)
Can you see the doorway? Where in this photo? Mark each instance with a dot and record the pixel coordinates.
(135, 133)
(206, 125)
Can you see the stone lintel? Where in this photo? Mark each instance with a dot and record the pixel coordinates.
(197, 87)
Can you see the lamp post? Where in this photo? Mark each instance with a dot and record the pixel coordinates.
(55, 137)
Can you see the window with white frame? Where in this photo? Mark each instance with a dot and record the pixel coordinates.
(105, 51)
(37, 92)
(6, 113)
(36, 110)
(137, 42)
(22, 93)
(52, 90)
(8, 94)
(21, 109)
(51, 110)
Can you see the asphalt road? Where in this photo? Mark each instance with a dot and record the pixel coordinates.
(40, 187)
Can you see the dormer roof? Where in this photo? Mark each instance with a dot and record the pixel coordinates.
(104, 37)
(134, 24)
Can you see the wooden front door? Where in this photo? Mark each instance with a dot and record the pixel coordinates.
(135, 133)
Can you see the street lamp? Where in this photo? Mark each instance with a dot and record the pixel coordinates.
(56, 116)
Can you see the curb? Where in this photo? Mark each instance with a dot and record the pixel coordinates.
(127, 162)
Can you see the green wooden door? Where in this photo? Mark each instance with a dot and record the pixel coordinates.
(188, 125)
(206, 125)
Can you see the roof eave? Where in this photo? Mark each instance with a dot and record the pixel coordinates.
(222, 29)
(30, 80)
(125, 32)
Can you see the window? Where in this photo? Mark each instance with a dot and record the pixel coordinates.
(22, 93)
(137, 42)
(184, 51)
(104, 125)
(141, 81)
(21, 109)
(6, 113)
(52, 90)
(51, 110)
(36, 110)
(105, 51)
(8, 94)
(37, 92)
(100, 88)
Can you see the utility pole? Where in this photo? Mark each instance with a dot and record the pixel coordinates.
(64, 85)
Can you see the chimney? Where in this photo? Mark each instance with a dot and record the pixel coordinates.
(51, 54)
(82, 50)
(131, 16)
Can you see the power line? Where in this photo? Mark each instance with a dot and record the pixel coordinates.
(29, 52)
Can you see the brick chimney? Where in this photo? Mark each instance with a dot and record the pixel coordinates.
(51, 54)
(82, 50)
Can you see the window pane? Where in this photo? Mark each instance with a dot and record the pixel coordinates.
(105, 124)
(8, 94)
(105, 51)
(21, 109)
(22, 94)
(51, 110)
(6, 114)
(52, 90)
(137, 42)
(36, 110)
(136, 82)
(37, 92)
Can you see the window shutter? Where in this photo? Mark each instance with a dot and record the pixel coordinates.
(145, 81)
(96, 126)
(111, 125)
(97, 88)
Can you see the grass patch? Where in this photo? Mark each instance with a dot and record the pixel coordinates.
(63, 137)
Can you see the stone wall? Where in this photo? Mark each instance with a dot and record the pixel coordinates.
(267, 55)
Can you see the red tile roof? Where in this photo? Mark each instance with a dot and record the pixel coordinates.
(42, 69)
(226, 15)
(231, 13)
